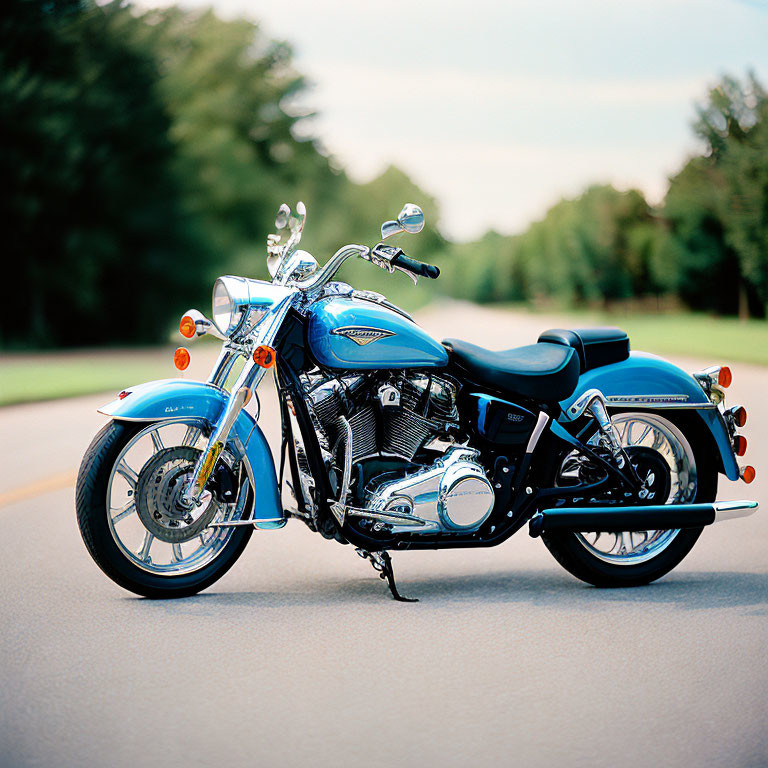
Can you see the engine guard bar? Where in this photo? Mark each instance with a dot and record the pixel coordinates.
(617, 519)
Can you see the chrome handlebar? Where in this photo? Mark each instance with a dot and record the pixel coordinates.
(331, 267)
(382, 255)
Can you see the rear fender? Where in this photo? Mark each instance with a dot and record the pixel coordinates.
(181, 399)
(645, 381)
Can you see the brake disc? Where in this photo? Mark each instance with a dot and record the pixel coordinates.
(159, 496)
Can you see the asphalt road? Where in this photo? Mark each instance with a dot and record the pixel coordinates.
(299, 658)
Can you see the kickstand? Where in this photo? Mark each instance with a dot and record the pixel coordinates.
(382, 562)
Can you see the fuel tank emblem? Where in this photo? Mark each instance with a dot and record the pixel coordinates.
(361, 334)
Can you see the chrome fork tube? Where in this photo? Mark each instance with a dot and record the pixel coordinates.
(248, 380)
(223, 366)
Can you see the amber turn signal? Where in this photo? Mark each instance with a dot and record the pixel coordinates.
(740, 445)
(181, 358)
(187, 327)
(748, 474)
(724, 377)
(739, 415)
(264, 356)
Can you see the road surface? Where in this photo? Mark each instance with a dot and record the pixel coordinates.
(299, 658)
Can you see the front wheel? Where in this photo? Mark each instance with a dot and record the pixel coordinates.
(132, 516)
(674, 446)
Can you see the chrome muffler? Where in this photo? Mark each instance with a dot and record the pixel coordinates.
(651, 518)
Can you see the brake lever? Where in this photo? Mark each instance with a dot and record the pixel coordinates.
(393, 267)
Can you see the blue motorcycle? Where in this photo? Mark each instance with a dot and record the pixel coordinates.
(394, 441)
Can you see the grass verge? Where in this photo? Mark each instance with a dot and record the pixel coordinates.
(690, 335)
(47, 376)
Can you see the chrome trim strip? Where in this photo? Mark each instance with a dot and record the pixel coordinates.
(656, 401)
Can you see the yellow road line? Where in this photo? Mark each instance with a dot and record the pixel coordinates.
(48, 484)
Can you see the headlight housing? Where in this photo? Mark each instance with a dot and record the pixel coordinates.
(223, 307)
(239, 304)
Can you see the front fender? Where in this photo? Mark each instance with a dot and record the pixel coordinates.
(646, 381)
(179, 399)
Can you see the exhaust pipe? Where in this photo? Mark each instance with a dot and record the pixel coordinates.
(652, 518)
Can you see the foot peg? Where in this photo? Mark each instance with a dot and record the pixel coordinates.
(382, 562)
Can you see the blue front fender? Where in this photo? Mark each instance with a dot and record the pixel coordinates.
(650, 382)
(179, 399)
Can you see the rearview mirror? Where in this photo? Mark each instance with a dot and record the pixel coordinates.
(410, 219)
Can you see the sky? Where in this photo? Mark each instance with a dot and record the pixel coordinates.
(498, 109)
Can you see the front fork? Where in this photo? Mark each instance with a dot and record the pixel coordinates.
(250, 378)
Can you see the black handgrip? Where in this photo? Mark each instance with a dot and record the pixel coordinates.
(417, 267)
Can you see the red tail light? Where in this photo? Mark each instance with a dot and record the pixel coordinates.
(739, 415)
(724, 377)
(740, 445)
(748, 474)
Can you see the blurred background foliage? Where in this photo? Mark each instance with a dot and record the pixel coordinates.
(145, 153)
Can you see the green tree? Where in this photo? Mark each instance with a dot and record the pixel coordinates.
(95, 239)
(717, 206)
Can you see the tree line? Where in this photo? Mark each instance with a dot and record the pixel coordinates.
(146, 152)
(706, 244)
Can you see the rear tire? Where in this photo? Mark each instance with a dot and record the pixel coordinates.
(93, 511)
(573, 553)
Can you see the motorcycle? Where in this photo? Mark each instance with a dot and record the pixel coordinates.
(394, 441)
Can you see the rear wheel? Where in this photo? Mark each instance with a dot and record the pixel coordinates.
(671, 457)
(134, 521)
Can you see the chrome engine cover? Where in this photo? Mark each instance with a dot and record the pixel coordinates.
(452, 495)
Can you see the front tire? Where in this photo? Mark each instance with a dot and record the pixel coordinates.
(184, 567)
(691, 459)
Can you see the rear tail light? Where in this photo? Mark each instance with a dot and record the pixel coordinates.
(739, 414)
(748, 474)
(740, 445)
(724, 377)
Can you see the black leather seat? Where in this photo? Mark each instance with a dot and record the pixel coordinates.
(595, 346)
(544, 372)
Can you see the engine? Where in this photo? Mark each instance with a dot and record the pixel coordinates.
(388, 443)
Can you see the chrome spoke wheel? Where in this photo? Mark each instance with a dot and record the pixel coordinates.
(643, 432)
(149, 519)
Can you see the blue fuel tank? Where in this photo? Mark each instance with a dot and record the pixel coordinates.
(350, 333)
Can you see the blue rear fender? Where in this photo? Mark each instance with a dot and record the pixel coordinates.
(649, 382)
(180, 399)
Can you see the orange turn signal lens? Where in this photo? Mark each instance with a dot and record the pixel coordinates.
(264, 356)
(748, 474)
(740, 445)
(739, 416)
(724, 377)
(187, 327)
(181, 358)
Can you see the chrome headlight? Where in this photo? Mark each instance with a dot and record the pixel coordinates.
(223, 307)
(239, 304)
